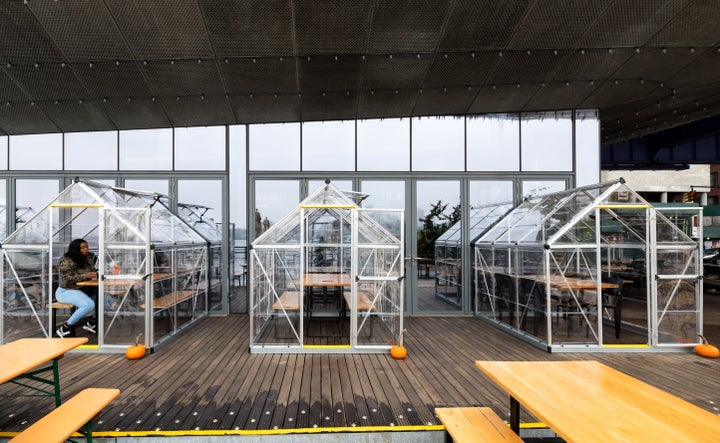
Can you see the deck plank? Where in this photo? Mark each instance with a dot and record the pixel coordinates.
(206, 379)
(191, 373)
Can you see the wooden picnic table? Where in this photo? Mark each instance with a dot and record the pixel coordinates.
(326, 280)
(124, 281)
(566, 283)
(24, 358)
(587, 401)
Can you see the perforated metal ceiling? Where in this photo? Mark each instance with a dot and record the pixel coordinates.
(74, 65)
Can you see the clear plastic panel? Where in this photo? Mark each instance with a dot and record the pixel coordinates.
(215, 278)
(378, 227)
(383, 262)
(126, 226)
(380, 267)
(675, 226)
(526, 229)
(123, 292)
(122, 298)
(85, 224)
(37, 230)
(188, 300)
(677, 313)
(27, 292)
(678, 261)
(379, 318)
(276, 296)
(574, 301)
(484, 217)
(168, 228)
(285, 232)
(506, 309)
(327, 237)
(500, 230)
(194, 216)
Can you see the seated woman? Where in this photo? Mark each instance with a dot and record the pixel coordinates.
(76, 266)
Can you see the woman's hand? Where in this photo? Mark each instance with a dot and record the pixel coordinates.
(91, 275)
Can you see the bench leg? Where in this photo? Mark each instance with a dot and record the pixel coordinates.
(515, 415)
(53, 321)
(88, 431)
(56, 379)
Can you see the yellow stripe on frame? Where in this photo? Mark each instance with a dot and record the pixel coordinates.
(636, 346)
(326, 346)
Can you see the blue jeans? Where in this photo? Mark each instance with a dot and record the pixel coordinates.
(85, 305)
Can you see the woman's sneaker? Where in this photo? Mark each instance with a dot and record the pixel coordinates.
(90, 326)
(64, 330)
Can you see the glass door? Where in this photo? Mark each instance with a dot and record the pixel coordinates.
(677, 310)
(200, 205)
(436, 279)
(376, 294)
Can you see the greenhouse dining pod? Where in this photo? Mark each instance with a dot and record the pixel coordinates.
(594, 269)
(328, 278)
(152, 267)
(448, 256)
(196, 216)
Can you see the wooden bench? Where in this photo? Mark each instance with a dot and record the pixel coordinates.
(60, 305)
(474, 424)
(57, 305)
(363, 300)
(63, 421)
(289, 300)
(364, 304)
(170, 300)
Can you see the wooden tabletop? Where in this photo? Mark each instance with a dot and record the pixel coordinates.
(326, 280)
(22, 355)
(565, 283)
(122, 281)
(587, 401)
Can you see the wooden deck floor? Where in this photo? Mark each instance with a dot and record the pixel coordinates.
(207, 380)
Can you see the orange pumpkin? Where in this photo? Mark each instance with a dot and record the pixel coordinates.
(398, 351)
(135, 351)
(706, 349)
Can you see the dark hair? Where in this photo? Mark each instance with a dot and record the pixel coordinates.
(74, 254)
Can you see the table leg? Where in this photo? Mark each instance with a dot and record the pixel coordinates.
(56, 380)
(515, 415)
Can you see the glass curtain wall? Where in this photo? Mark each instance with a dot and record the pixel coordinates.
(438, 209)
(426, 153)
(156, 160)
(483, 147)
